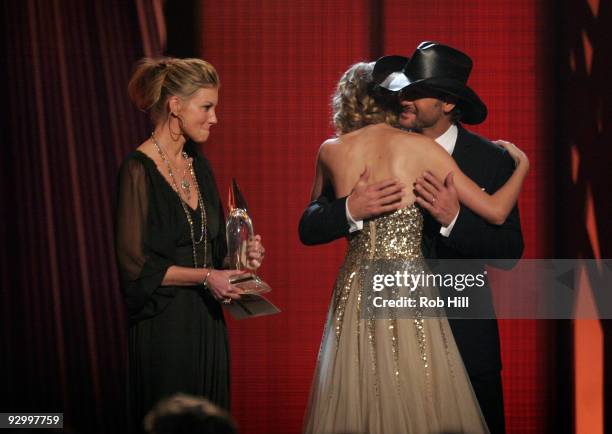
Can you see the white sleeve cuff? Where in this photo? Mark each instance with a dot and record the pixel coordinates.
(353, 225)
(445, 231)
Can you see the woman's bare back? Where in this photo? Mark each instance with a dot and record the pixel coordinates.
(388, 153)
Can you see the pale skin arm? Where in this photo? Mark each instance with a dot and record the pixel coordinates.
(493, 208)
(319, 179)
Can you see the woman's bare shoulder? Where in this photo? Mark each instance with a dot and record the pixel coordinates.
(327, 148)
(329, 143)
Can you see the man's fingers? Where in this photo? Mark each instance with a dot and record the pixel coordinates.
(424, 193)
(427, 187)
(392, 198)
(392, 189)
(423, 203)
(433, 180)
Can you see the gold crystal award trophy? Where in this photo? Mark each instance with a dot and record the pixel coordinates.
(239, 229)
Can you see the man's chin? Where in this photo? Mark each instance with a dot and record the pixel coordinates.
(407, 124)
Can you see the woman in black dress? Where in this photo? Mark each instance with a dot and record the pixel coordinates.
(170, 241)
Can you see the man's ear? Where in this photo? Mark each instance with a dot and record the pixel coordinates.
(448, 107)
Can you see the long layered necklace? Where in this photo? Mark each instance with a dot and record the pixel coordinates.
(185, 185)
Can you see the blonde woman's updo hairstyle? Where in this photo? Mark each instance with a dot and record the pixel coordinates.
(154, 80)
(353, 105)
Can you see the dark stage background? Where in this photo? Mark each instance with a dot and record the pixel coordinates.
(541, 67)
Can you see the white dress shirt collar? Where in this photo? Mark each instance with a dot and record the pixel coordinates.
(449, 139)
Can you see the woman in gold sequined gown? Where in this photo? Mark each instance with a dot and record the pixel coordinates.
(391, 375)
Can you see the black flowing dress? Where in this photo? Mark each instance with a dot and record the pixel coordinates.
(177, 335)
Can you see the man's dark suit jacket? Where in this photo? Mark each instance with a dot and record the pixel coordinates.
(487, 165)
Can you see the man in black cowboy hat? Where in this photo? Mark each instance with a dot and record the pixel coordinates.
(430, 91)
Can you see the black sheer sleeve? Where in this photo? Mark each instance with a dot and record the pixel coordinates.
(142, 264)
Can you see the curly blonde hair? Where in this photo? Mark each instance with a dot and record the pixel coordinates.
(353, 105)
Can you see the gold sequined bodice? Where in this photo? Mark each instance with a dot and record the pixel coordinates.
(392, 236)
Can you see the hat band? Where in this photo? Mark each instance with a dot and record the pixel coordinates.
(395, 81)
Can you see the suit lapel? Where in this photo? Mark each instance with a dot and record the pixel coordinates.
(462, 147)
(431, 228)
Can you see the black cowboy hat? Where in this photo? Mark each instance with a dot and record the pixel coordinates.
(434, 69)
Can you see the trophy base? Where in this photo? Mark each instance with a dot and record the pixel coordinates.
(250, 284)
(251, 303)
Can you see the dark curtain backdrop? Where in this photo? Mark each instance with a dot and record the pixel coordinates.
(68, 123)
